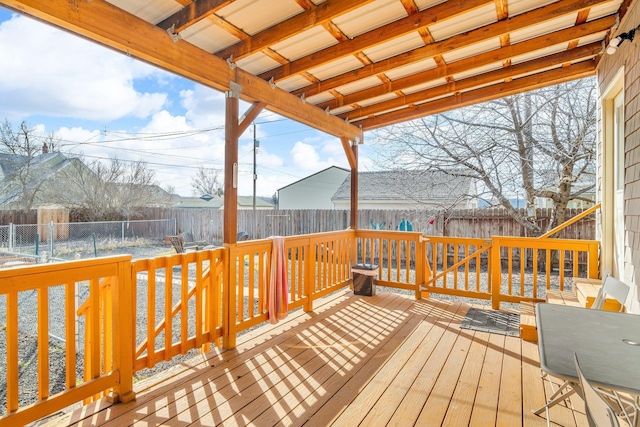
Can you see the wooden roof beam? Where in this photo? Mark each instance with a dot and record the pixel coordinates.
(533, 17)
(500, 90)
(111, 26)
(318, 15)
(464, 65)
(377, 36)
(577, 54)
(192, 13)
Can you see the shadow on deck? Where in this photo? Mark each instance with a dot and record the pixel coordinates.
(382, 360)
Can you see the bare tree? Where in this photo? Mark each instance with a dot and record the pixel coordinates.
(21, 171)
(538, 144)
(207, 181)
(107, 191)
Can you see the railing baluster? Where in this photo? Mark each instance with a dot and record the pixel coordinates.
(199, 300)
(70, 334)
(168, 318)
(43, 342)
(12, 351)
(151, 311)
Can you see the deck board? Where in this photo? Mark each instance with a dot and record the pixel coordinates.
(381, 360)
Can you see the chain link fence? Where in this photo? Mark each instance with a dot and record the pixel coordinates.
(66, 241)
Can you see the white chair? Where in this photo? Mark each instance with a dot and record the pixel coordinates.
(611, 288)
(599, 413)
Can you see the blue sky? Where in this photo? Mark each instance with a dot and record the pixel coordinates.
(103, 104)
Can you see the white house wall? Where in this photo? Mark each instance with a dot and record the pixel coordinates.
(313, 192)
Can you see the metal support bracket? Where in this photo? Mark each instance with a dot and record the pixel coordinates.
(234, 90)
(172, 33)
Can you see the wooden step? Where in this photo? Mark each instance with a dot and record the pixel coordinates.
(562, 297)
(528, 329)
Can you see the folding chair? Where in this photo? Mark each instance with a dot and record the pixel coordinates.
(599, 413)
(613, 288)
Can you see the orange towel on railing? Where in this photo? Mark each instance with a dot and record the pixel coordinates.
(276, 301)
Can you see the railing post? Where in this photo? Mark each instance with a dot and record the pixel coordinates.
(495, 272)
(229, 297)
(124, 321)
(594, 256)
(310, 275)
(420, 263)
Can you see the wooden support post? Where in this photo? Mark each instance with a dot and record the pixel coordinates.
(231, 165)
(231, 211)
(310, 275)
(354, 190)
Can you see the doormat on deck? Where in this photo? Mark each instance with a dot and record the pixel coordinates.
(494, 322)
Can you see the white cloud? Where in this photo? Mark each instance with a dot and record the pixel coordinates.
(305, 156)
(49, 72)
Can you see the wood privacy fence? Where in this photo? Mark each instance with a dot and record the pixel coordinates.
(206, 224)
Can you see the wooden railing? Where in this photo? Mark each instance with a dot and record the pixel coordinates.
(530, 264)
(316, 265)
(398, 254)
(193, 300)
(183, 295)
(109, 352)
(456, 266)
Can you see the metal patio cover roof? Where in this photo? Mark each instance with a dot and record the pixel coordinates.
(346, 65)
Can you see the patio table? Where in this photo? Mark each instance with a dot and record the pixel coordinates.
(607, 344)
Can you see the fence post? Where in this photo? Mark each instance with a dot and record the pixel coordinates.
(51, 230)
(124, 321)
(495, 272)
(12, 236)
(122, 227)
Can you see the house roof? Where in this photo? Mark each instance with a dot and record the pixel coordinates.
(217, 202)
(411, 186)
(41, 168)
(314, 174)
(343, 66)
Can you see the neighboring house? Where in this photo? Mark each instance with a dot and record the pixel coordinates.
(314, 191)
(217, 202)
(41, 168)
(408, 189)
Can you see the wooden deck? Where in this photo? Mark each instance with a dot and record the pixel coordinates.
(382, 360)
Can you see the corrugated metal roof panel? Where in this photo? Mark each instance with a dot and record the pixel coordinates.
(477, 71)
(341, 110)
(394, 47)
(592, 38)
(604, 9)
(253, 16)
(293, 83)
(465, 22)
(370, 16)
(359, 85)
(336, 67)
(424, 4)
(469, 51)
(152, 11)
(549, 50)
(305, 43)
(208, 37)
(546, 27)
(423, 86)
(516, 7)
(257, 63)
(321, 97)
(416, 67)
(377, 99)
